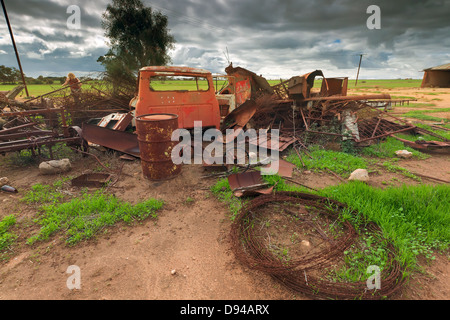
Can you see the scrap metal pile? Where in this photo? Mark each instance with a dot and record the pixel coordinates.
(34, 127)
(295, 107)
(52, 118)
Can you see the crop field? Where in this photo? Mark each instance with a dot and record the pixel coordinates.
(39, 89)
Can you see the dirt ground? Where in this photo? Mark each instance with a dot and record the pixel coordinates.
(186, 252)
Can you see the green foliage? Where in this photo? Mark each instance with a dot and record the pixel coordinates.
(387, 148)
(9, 75)
(6, 238)
(138, 37)
(340, 162)
(223, 192)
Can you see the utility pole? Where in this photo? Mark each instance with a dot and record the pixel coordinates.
(359, 66)
(15, 48)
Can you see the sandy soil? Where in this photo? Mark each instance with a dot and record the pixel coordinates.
(185, 253)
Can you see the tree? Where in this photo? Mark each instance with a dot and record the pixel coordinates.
(138, 37)
(9, 75)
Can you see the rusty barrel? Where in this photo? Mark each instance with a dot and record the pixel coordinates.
(154, 133)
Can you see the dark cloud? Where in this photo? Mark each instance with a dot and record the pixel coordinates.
(275, 38)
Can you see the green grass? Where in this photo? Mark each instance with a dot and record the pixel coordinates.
(390, 166)
(224, 193)
(422, 114)
(7, 238)
(83, 217)
(443, 133)
(35, 90)
(339, 162)
(415, 105)
(387, 148)
(379, 83)
(39, 89)
(403, 97)
(414, 218)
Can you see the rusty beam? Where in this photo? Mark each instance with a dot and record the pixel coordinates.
(352, 98)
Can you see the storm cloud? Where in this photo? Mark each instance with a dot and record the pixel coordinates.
(277, 39)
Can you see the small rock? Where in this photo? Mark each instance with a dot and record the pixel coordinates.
(307, 172)
(305, 243)
(55, 166)
(173, 272)
(359, 175)
(403, 154)
(4, 181)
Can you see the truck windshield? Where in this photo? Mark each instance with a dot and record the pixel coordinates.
(178, 83)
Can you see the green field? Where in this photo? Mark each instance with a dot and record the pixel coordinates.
(39, 89)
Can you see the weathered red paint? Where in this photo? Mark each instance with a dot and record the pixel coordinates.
(190, 106)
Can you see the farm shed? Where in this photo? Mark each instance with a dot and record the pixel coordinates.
(437, 77)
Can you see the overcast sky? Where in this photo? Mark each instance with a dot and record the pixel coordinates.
(278, 39)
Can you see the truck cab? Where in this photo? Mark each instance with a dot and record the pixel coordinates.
(186, 92)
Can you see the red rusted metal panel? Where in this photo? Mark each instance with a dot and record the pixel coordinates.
(117, 140)
(243, 91)
(91, 180)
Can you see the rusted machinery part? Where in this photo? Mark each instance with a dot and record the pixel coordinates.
(298, 274)
(76, 132)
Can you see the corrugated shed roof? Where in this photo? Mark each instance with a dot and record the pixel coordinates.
(442, 67)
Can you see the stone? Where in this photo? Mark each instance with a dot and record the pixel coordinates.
(305, 243)
(4, 181)
(403, 154)
(55, 166)
(359, 175)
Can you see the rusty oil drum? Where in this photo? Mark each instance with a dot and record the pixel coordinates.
(154, 135)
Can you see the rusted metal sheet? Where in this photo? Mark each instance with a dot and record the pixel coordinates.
(425, 145)
(243, 91)
(240, 116)
(285, 169)
(155, 143)
(91, 180)
(116, 140)
(248, 183)
(116, 121)
(283, 143)
(334, 86)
